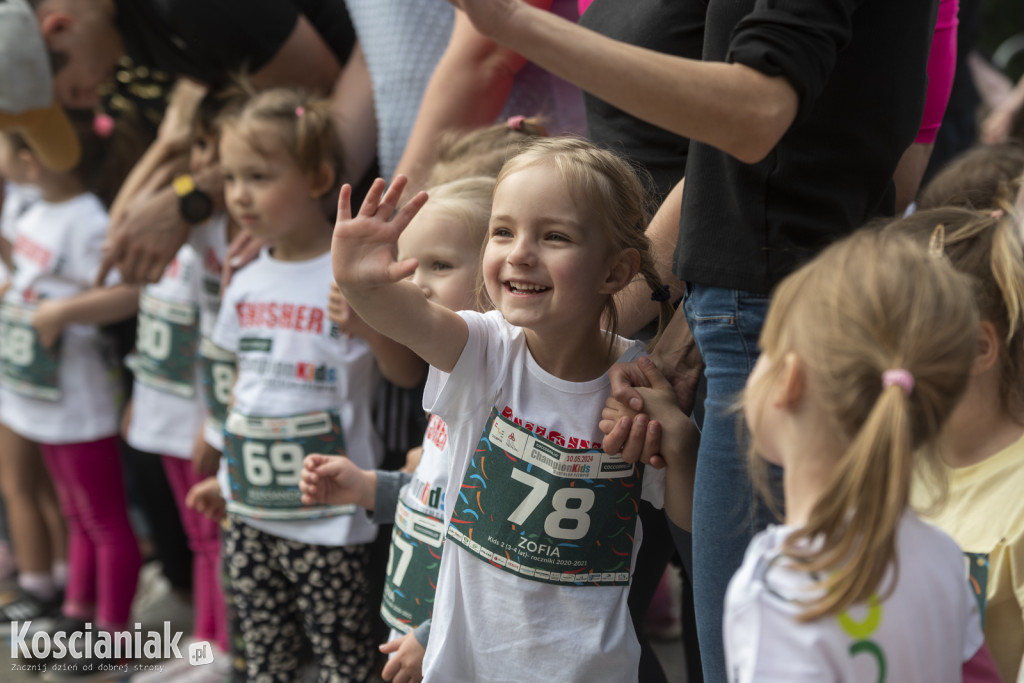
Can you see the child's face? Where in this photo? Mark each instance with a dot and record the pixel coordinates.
(546, 262)
(203, 153)
(449, 258)
(265, 190)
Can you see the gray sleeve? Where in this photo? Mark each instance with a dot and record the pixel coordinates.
(422, 633)
(388, 486)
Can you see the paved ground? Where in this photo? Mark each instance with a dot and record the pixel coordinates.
(154, 606)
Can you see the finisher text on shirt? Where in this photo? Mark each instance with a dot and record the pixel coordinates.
(572, 442)
(272, 315)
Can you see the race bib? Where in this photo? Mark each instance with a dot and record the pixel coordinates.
(29, 369)
(217, 372)
(413, 565)
(165, 345)
(264, 456)
(547, 513)
(977, 573)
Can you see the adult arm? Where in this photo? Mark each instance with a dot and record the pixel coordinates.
(145, 236)
(731, 106)
(468, 89)
(634, 303)
(354, 117)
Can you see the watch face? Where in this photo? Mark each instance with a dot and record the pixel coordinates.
(196, 206)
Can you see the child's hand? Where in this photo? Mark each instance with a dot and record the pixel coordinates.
(48, 320)
(407, 664)
(364, 250)
(336, 480)
(205, 498)
(205, 458)
(342, 315)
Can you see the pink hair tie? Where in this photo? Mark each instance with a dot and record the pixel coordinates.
(103, 125)
(997, 214)
(516, 122)
(299, 111)
(900, 377)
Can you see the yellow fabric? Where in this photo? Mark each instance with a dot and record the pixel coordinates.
(984, 514)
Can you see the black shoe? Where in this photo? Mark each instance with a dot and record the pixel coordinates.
(66, 624)
(24, 605)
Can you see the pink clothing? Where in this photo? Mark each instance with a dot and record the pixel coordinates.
(941, 68)
(103, 555)
(210, 610)
(583, 5)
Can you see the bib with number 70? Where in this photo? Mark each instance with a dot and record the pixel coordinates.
(264, 457)
(547, 513)
(29, 368)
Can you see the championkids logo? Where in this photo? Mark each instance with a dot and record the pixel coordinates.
(87, 644)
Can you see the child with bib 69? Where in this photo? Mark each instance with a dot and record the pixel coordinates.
(297, 572)
(865, 352)
(541, 526)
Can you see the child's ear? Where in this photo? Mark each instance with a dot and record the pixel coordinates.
(988, 348)
(792, 383)
(30, 166)
(622, 268)
(321, 180)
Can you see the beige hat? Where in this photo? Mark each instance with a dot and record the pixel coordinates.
(26, 89)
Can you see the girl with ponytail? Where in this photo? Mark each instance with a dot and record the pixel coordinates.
(865, 353)
(984, 509)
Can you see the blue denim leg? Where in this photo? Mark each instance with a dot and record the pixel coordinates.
(726, 325)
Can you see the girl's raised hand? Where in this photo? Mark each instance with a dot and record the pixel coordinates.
(364, 251)
(336, 480)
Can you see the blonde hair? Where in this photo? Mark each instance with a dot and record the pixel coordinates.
(873, 302)
(482, 152)
(469, 201)
(609, 188)
(303, 121)
(987, 246)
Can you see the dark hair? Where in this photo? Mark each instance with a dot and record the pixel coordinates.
(980, 178)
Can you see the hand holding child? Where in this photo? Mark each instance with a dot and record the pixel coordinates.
(205, 498)
(407, 664)
(336, 480)
(365, 248)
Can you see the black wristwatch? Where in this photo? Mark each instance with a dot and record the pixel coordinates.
(194, 205)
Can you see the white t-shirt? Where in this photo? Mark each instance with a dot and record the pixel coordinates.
(57, 252)
(417, 537)
(923, 631)
(516, 615)
(167, 409)
(209, 240)
(292, 361)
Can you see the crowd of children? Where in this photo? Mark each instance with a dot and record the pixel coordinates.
(890, 386)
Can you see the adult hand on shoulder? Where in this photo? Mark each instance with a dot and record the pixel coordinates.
(144, 239)
(364, 249)
(407, 664)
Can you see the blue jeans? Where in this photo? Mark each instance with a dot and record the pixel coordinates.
(726, 324)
